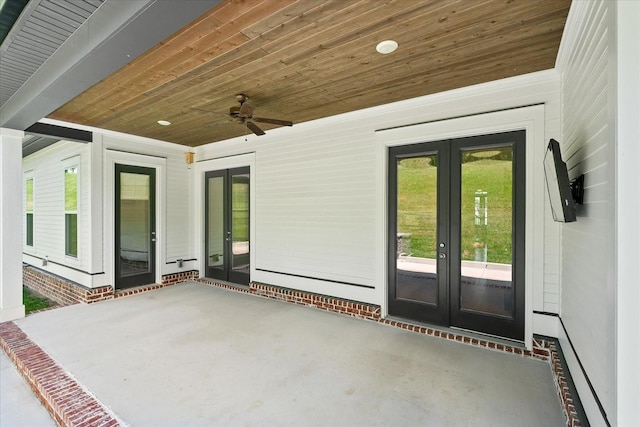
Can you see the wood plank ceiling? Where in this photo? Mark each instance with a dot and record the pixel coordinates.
(307, 59)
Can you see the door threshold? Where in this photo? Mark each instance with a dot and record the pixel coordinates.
(479, 336)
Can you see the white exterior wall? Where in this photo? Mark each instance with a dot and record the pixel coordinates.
(319, 187)
(600, 256)
(46, 167)
(94, 265)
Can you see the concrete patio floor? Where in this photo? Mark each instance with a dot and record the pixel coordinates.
(198, 355)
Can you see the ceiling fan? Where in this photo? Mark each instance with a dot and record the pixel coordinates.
(244, 114)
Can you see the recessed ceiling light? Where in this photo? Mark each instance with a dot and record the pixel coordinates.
(164, 122)
(387, 46)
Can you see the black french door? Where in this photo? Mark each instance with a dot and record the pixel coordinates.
(227, 225)
(135, 226)
(456, 233)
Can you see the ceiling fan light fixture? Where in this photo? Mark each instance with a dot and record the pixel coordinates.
(164, 122)
(387, 46)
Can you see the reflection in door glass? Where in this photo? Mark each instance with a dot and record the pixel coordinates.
(416, 231)
(240, 222)
(216, 238)
(487, 231)
(135, 228)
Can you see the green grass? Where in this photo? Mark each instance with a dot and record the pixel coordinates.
(32, 302)
(417, 203)
(240, 211)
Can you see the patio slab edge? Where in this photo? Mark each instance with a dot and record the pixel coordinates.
(68, 403)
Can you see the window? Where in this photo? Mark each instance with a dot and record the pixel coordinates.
(71, 211)
(29, 211)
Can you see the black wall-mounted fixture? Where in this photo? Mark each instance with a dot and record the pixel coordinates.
(577, 189)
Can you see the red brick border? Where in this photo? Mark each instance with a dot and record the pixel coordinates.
(65, 399)
(61, 290)
(562, 387)
(172, 279)
(321, 302)
(66, 292)
(167, 280)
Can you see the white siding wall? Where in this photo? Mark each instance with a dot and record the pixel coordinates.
(320, 208)
(47, 169)
(588, 245)
(599, 62)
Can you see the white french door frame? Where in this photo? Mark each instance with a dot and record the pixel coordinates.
(532, 120)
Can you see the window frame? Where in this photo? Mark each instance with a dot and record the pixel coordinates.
(29, 231)
(71, 164)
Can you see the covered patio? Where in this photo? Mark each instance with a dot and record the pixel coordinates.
(193, 354)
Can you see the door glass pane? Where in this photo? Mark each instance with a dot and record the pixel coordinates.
(240, 222)
(135, 227)
(216, 236)
(486, 231)
(416, 231)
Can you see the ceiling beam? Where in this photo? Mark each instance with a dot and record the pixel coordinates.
(117, 33)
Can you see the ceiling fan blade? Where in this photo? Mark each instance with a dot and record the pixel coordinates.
(254, 128)
(273, 121)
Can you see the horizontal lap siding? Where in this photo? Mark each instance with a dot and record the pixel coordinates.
(316, 207)
(47, 168)
(588, 245)
(178, 208)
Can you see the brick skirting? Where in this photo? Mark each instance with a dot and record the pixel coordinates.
(66, 292)
(321, 302)
(562, 386)
(60, 290)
